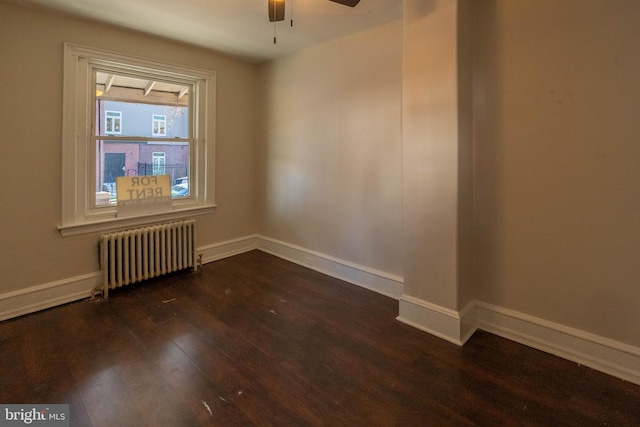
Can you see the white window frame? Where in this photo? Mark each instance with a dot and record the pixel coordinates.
(156, 118)
(79, 211)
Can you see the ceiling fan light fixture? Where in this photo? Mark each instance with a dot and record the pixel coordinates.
(276, 10)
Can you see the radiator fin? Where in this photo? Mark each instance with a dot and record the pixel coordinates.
(143, 253)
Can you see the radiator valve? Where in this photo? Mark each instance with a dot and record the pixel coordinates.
(96, 292)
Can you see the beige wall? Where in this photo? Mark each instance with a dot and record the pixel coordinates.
(557, 144)
(465, 237)
(330, 149)
(437, 152)
(33, 252)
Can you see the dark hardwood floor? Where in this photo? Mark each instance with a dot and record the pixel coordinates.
(255, 340)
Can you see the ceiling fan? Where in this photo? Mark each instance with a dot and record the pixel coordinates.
(276, 8)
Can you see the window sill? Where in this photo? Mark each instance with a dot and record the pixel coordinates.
(134, 221)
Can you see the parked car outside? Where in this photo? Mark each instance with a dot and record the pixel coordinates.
(180, 187)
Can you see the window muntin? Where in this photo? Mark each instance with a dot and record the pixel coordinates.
(91, 75)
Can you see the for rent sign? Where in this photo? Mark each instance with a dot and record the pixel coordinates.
(143, 194)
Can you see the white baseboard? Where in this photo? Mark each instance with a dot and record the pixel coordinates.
(375, 280)
(450, 325)
(227, 248)
(603, 354)
(41, 297)
(48, 295)
(35, 298)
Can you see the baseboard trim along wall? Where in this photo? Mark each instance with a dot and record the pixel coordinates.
(603, 354)
(48, 295)
(597, 352)
(41, 297)
(375, 280)
(453, 326)
(228, 248)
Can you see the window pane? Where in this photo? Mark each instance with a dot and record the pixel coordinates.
(132, 109)
(141, 120)
(132, 106)
(135, 158)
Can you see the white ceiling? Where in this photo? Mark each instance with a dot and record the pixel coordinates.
(237, 27)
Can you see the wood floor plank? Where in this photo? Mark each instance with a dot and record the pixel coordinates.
(254, 340)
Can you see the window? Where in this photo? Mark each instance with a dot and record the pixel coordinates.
(100, 88)
(113, 122)
(159, 125)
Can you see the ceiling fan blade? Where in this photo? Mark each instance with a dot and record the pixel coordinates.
(350, 3)
(276, 10)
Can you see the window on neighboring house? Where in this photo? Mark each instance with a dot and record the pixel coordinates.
(113, 122)
(100, 87)
(159, 125)
(158, 163)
